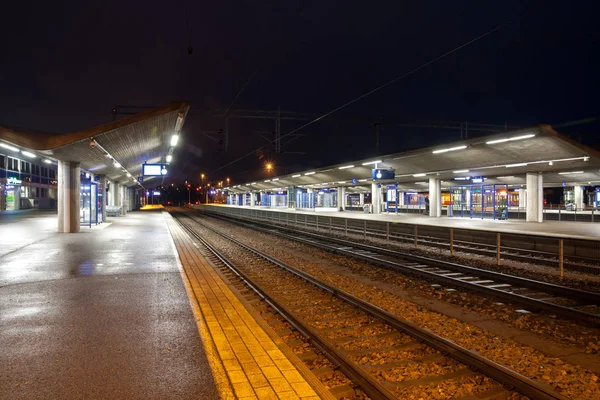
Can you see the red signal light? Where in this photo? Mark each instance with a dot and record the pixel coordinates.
(197, 189)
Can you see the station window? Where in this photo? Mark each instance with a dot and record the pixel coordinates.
(13, 164)
(44, 172)
(2, 161)
(35, 169)
(52, 174)
(25, 167)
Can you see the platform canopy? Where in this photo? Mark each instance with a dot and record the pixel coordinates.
(500, 158)
(117, 149)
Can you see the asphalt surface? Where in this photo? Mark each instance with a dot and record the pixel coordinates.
(102, 314)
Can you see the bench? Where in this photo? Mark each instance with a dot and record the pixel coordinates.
(113, 211)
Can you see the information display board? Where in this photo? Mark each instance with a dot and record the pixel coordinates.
(153, 170)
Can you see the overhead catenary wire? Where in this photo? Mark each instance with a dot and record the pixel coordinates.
(226, 112)
(388, 83)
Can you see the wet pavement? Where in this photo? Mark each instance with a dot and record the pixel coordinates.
(101, 314)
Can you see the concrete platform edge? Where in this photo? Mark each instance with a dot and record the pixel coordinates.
(221, 380)
(306, 373)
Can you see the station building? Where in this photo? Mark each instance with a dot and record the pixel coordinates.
(533, 173)
(91, 174)
(26, 181)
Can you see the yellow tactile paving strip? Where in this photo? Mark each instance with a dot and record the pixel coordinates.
(254, 364)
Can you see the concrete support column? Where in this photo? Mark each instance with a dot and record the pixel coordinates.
(113, 198)
(102, 183)
(578, 197)
(252, 199)
(130, 195)
(522, 198)
(535, 197)
(341, 198)
(435, 201)
(361, 199)
(121, 199)
(376, 198)
(68, 196)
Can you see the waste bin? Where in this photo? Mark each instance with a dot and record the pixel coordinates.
(367, 208)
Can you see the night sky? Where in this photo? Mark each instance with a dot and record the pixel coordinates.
(65, 66)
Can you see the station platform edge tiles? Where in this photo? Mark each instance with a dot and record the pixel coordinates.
(248, 362)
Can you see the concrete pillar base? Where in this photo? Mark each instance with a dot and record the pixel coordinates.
(435, 202)
(68, 197)
(535, 197)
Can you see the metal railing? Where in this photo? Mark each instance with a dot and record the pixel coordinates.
(563, 253)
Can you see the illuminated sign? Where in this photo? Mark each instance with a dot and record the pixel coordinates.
(380, 174)
(156, 193)
(154, 170)
(14, 180)
(478, 179)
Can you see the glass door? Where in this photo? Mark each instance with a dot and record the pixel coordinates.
(476, 201)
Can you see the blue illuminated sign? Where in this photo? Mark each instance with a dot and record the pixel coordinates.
(477, 179)
(381, 174)
(354, 181)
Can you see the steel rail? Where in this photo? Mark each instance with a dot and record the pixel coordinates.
(535, 305)
(496, 371)
(367, 383)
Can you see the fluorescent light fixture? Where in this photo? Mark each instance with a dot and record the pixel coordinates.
(253, 183)
(346, 167)
(569, 173)
(418, 175)
(296, 176)
(505, 177)
(169, 158)
(516, 165)
(268, 180)
(129, 175)
(342, 182)
(372, 162)
(28, 154)
(275, 179)
(449, 149)
(116, 164)
(8, 147)
(47, 161)
(174, 140)
(362, 180)
(586, 159)
(461, 171)
(511, 139)
(309, 173)
(462, 178)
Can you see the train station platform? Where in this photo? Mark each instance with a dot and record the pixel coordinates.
(110, 313)
(558, 229)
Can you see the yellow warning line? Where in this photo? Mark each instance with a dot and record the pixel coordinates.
(221, 380)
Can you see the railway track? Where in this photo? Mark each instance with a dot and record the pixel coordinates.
(581, 306)
(386, 356)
